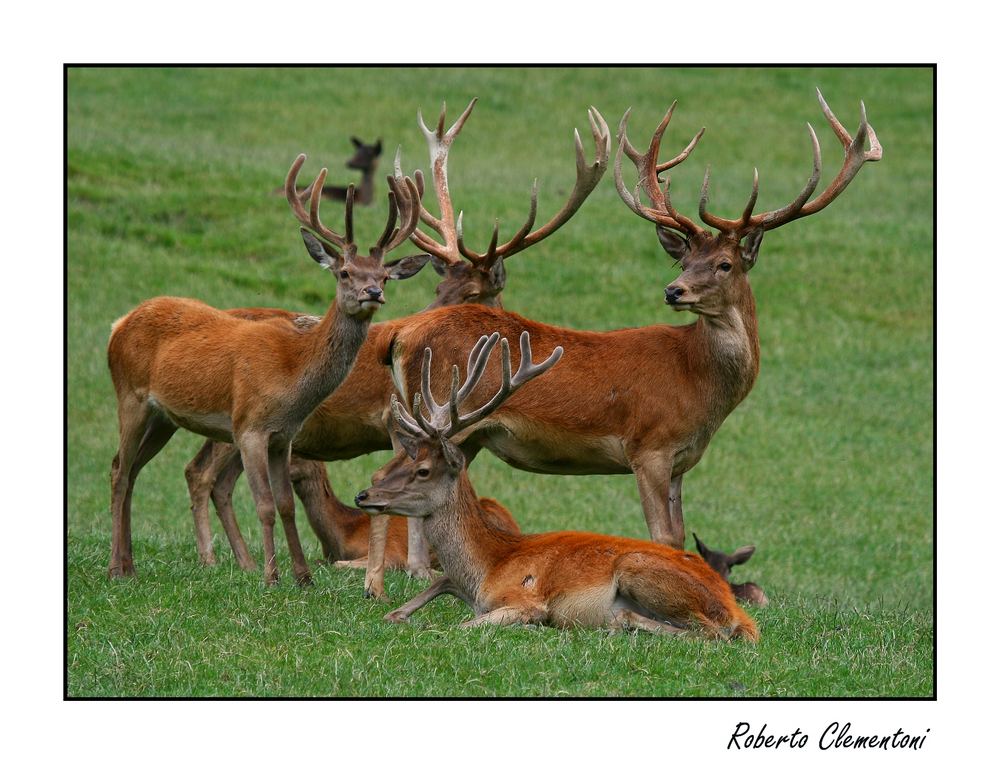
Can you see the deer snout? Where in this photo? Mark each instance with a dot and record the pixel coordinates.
(673, 293)
(361, 498)
(373, 293)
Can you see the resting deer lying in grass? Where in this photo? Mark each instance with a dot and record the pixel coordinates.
(560, 579)
(180, 363)
(657, 419)
(365, 159)
(354, 419)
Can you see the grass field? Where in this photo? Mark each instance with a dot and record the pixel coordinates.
(826, 467)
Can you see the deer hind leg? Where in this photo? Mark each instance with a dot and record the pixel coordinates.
(226, 470)
(652, 475)
(506, 616)
(656, 589)
(142, 433)
(199, 481)
(626, 619)
(281, 488)
(443, 585)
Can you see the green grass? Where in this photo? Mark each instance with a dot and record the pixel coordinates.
(826, 467)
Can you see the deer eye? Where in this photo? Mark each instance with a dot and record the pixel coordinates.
(725, 267)
(423, 472)
(344, 274)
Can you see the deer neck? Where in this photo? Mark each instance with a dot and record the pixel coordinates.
(330, 349)
(728, 347)
(467, 545)
(366, 190)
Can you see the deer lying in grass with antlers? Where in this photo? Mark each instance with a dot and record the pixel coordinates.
(560, 579)
(354, 420)
(180, 363)
(679, 383)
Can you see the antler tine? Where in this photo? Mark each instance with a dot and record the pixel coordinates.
(418, 237)
(509, 384)
(403, 418)
(587, 177)
(662, 212)
(295, 202)
(471, 255)
(316, 224)
(854, 156)
(477, 363)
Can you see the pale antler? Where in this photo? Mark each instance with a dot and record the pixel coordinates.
(451, 230)
(855, 156)
(662, 212)
(446, 421)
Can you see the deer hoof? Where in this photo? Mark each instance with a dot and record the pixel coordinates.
(397, 617)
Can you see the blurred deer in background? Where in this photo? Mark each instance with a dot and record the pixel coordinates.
(560, 579)
(181, 363)
(353, 421)
(681, 382)
(365, 159)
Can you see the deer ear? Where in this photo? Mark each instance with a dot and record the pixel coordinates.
(498, 274)
(406, 266)
(357, 142)
(440, 266)
(453, 456)
(320, 251)
(741, 555)
(750, 247)
(675, 244)
(409, 443)
(378, 147)
(702, 549)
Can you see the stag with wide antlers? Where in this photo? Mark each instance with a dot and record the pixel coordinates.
(180, 363)
(353, 420)
(560, 579)
(647, 400)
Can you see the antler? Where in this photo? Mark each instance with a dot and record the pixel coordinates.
(454, 246)
(446, 421)
(311, 218)
(855, 156)
(662, 212)
(404, 202)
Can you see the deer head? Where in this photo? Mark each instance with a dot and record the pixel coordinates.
(714, 266)
(360, 279)
(723, 563)
(479, 277)
(423, 477)
(365, 155)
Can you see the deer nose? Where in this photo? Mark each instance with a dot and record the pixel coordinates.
(374, 293)
(673, 293)
(361, 498)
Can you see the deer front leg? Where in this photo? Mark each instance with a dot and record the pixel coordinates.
(418, 554)
(442, 585)
(281, 488)
(505, 616)
(625, 619)
(253, 451)
(375, 572)
(652, 474)
(676, 510)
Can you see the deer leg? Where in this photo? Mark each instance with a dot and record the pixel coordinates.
(199, 481)
(254, 452)
(653, 478)
(312, 485)
(443, 585)
(226, 470)
(505, 616)
(624, 619)
(375, 572)
(418, 553)
(676, 510)
(281, 488)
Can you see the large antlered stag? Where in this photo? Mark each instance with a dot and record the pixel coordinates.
(180, 363)
(354, 419)
(646, 400)
(558, 579)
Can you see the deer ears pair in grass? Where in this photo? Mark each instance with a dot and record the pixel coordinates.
(329, 258)
(677, 246)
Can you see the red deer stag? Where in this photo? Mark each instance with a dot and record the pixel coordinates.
(180, 363)
(682, 381)
(365, 159)
(353, 420)
(560, 579)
